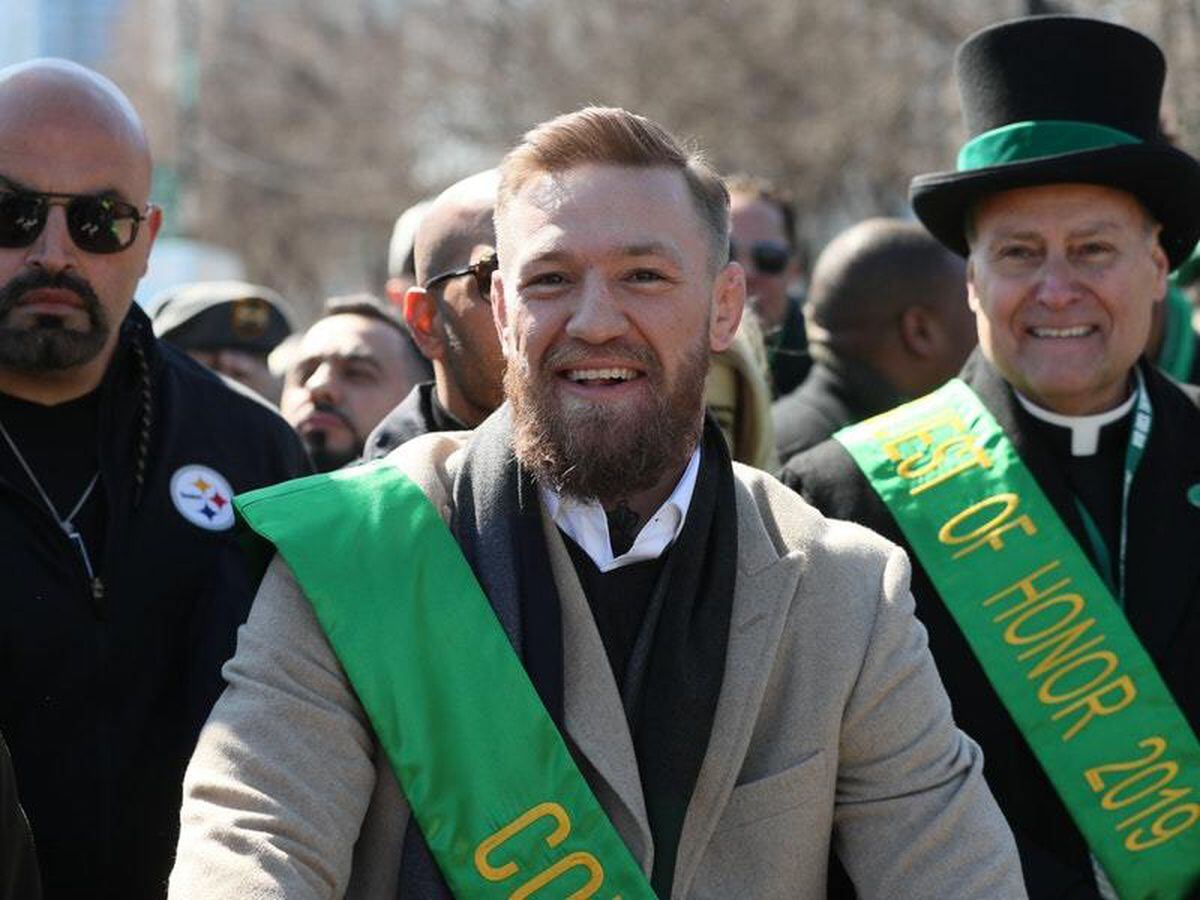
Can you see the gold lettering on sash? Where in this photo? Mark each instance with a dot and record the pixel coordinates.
(1106, 658)
(908, 449)
(1058, 645)
(562, 828)
(560, 868)
(1026, 586)
(1094, 704)
(923, 432)
(1046, 619)
(1013, 635)
(1150, 780)
(990, 531)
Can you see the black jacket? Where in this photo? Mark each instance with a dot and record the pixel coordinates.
(835, 393)
(104, 696)
(787, 351)
(1162, 603)
(18, 864)
(418, 413)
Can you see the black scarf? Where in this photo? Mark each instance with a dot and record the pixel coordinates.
(679, 660)
(497, 523)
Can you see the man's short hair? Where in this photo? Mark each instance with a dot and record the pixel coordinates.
(870, 273)
(616, 137)
(371, 307)
(364, 304)
(758, 188)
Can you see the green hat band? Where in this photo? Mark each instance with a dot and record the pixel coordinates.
(1032, 140)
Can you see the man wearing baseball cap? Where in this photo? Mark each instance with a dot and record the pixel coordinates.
(1050, 496)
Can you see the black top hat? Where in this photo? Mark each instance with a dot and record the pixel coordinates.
(1062, 99)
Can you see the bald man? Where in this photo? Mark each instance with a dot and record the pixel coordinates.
(887, 320)
(124, 584)
(450, 317)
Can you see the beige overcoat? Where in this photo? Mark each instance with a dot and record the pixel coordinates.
(832, 724)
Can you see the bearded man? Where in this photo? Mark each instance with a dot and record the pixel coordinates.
(124, 583)
(627, 665)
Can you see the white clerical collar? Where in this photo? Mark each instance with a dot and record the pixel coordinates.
(1085, 430)
(585, 523)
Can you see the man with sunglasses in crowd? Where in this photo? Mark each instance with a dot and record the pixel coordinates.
(352, 366)
(887, 319)
(119, 457)
(762, 230)
(449, 317)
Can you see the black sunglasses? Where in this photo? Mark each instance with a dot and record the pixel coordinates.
(97, 224)
(482, 270)
(769, 257)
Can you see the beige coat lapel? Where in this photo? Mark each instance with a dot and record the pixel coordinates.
(766, 584)
(594, 716)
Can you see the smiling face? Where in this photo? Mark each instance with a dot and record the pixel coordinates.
(1063, 279)
(608, 307)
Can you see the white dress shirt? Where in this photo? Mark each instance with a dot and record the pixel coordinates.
(586, 524)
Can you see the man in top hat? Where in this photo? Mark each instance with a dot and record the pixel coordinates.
(1051, 498)
(229, 326)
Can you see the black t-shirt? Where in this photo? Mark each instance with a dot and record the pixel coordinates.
(59, 443)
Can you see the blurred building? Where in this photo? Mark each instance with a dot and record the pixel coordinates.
(74, 29)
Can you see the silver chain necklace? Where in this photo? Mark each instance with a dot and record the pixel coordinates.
(66, 523)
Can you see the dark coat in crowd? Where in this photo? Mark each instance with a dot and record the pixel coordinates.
(787, 351)
(418, 413)
(18, 864)
(835, 393)
(108, 681)
(1162, 598)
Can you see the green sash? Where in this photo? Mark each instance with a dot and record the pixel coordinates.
(1049, 635)
(498, 797)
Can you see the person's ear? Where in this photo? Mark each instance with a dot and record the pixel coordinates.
(396, 288)
(421, 316)
(1161, 267)
(920, 331)
(972, 296)
(151, 225)
(500, 312)
(728, 302)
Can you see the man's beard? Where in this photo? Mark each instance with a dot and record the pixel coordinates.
(324, 457)
(601, 451)
(47, 345)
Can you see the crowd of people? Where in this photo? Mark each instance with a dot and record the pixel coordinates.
(611, 549)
